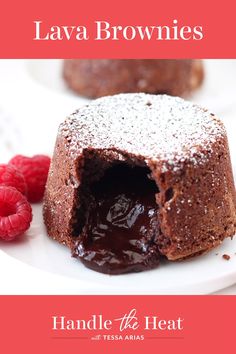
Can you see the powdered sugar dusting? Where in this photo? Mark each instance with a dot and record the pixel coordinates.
(158, 127)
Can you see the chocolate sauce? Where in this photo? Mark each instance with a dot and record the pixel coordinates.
(121, 226)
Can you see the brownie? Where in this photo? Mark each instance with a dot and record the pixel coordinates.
(138, 177)
(101, 77)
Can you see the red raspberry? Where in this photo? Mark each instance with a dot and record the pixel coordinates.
(35, 170)
(15, 213)
(10, 176)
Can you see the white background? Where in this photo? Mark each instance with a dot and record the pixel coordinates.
(33, 101)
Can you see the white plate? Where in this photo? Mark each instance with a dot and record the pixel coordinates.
(34, 100)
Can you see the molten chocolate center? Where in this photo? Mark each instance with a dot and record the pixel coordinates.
(121, 226)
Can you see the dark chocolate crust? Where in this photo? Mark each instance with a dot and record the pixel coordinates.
(184, 146)
(95, 78)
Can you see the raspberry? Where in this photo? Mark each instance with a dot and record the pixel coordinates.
(10, 176)
(15, 213)
(35, 171)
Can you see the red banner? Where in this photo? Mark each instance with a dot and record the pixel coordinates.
(125, 29)
(117, 324)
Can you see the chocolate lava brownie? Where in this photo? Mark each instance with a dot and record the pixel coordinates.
(138, 177)
(96, 78)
